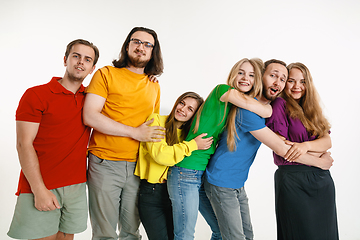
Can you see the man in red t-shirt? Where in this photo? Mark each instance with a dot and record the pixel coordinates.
(51, 144)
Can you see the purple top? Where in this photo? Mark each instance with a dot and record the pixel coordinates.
(292, 129)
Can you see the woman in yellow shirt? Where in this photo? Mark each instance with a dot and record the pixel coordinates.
(154, 161)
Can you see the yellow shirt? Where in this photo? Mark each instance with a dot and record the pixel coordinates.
(156, 157)
(130, 99)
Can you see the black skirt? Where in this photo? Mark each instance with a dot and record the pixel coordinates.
(305, 204)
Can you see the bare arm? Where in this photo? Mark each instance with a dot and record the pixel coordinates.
(270, 139)
(242, 100)
(25, 134)
(319, 145)
(94, 118)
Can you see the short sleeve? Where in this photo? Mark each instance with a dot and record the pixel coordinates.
(99, 83)
(221, 89)
(30, 107)
(248, 121)
(157, 103)
(278, 122)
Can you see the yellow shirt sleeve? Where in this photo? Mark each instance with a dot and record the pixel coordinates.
(170, 155)
(156, 157)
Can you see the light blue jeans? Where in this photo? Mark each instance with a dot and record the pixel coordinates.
(232, 211)
(183, 187)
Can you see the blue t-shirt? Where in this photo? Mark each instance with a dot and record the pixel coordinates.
(230, 169)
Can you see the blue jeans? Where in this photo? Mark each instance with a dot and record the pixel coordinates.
(232, 211)
(183, 187)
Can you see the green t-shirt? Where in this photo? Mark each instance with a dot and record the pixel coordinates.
(212, 121)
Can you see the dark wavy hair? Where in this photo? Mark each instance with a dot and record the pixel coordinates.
(155, 66)
(170, 123)
(86, 43)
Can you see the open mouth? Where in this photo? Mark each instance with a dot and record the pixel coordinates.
(274, 90)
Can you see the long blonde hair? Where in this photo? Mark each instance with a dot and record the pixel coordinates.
(308, 109)
(171, 122)
(256, 90)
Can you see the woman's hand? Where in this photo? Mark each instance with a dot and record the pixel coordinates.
(203, 143)
(296, 150)
(153, 78)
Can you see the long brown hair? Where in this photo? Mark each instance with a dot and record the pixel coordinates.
(256, 90)
(171, 122)
(155, 66)
(308, 109)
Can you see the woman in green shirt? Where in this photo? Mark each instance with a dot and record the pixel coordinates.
(185, 179)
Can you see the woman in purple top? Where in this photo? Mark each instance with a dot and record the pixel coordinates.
(304, 195)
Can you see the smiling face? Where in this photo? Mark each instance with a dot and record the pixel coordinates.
(295, 85)
(244, 81)
(80, 62)
(186, 109)
(139, 55)
(274, 79)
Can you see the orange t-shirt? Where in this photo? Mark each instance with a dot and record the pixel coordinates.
(130, 99)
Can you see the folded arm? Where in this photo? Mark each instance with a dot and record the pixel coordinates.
(244, 101)
(270, 139)
(319, 145)
(94, 118)
(26, 132)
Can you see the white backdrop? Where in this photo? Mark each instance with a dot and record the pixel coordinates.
(200, 41)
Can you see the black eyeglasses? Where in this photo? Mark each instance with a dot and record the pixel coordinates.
(138, 42)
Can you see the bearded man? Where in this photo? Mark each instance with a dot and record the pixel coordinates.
(118, 101)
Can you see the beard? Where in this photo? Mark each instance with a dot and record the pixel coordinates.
(74, 78)
(136, 62)
(268, 96)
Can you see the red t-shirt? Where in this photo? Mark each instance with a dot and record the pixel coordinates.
(62, 138)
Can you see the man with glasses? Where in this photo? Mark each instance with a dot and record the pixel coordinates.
(119, 99)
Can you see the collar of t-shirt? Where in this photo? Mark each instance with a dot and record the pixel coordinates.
(56, 87)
